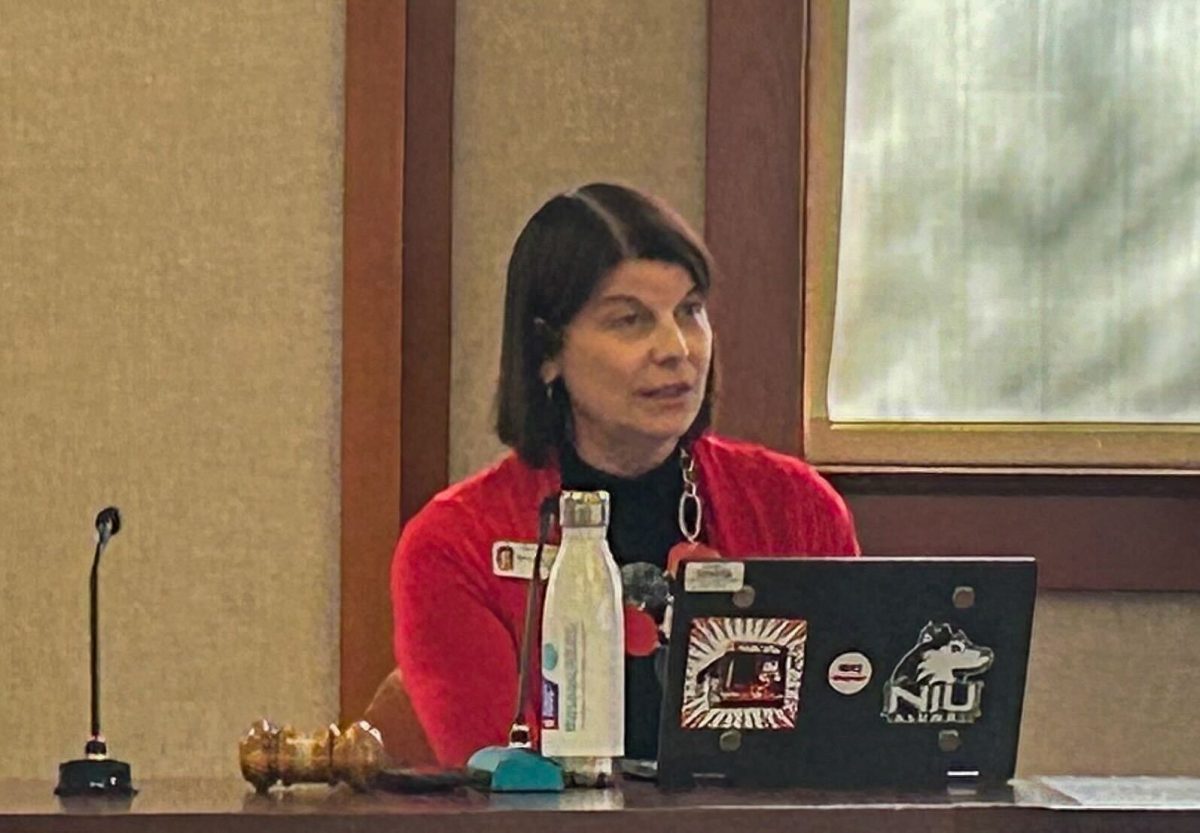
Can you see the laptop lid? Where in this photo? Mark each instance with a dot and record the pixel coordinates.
(846, 672)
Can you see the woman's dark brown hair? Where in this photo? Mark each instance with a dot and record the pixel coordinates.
(559, 259)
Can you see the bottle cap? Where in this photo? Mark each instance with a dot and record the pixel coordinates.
(576, 509)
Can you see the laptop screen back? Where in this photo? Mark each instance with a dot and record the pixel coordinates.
(846, 672)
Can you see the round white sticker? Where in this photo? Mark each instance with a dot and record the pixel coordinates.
(849, 673)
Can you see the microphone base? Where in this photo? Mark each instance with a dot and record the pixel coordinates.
(97, 777)
(509, 769)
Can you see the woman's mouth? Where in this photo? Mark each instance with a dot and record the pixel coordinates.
(666, 393)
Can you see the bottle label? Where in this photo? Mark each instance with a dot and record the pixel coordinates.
(572, 660)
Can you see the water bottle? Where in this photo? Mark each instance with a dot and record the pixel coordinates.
(583, 646)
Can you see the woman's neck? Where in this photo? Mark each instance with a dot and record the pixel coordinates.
(624, 460)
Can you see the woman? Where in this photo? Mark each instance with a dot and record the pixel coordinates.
(606, 382)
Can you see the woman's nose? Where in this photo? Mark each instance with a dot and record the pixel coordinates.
(670, 343)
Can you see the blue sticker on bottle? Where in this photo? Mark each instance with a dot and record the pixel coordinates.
(549, 705)
(549, 657)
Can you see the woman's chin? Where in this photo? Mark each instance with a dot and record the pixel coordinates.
(667, 430)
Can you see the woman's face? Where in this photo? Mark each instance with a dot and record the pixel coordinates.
(634, 361)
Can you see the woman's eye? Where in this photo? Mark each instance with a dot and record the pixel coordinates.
(629, 319)
(693, 308)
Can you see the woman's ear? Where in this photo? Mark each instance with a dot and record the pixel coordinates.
(551, 346)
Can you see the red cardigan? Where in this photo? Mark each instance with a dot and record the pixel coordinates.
(458, 626)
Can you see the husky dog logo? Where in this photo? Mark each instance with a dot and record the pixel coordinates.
(934, 682)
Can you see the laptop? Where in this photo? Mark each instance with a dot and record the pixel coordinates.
(846, 672)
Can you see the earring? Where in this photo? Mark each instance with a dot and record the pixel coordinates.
(549, 391)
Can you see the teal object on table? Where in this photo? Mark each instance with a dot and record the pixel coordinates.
(517, 770)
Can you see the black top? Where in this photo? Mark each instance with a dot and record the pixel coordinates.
(643, 526)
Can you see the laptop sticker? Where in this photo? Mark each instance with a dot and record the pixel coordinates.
(549, 705)
(935, 682)
(849, 673)
(743, 673)
(714, 577)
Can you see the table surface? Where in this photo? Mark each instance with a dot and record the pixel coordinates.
(1050, 804)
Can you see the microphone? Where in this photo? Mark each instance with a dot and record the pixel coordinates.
(646, 596)
(519, 734)
(645, 585)
(96, 773)
(108, 524)
(518, 767)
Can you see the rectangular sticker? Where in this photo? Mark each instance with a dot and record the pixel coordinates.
(513, 559)
(714, 576)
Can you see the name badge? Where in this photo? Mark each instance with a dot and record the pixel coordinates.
(514, 559)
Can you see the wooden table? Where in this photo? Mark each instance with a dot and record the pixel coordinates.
(1047, 804)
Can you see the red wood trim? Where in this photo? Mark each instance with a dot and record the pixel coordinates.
(752, 215)
(396, 307)
(425, 368)
(1088, 533)
(371, 337)
(1115, 542)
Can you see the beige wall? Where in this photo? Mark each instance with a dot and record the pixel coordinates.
(552, 93)
(170, 244)
(1112, 685)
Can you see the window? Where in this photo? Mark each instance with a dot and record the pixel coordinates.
(1003, 235)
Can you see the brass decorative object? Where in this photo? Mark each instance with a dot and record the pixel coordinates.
(270, 754)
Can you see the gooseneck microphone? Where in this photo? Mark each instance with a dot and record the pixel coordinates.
(108, 524)
(96, 773)
(518, 767)
(519, 733)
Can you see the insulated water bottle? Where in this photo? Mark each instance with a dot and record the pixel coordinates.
(583, 646)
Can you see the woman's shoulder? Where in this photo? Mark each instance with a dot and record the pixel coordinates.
(507, 473)
(747, 459)
(748, 468)
(494, 493)
(786, 487)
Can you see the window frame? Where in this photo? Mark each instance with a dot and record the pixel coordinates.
(1143, 448)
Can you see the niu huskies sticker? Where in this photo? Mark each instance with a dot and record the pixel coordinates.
(936, 682)
(743, 673)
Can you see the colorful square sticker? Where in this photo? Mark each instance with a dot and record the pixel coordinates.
(743, 673)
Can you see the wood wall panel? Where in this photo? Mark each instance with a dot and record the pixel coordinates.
(371, 338)
(396, 353)
(425, 354)
(753, 195)
(1114, 542)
